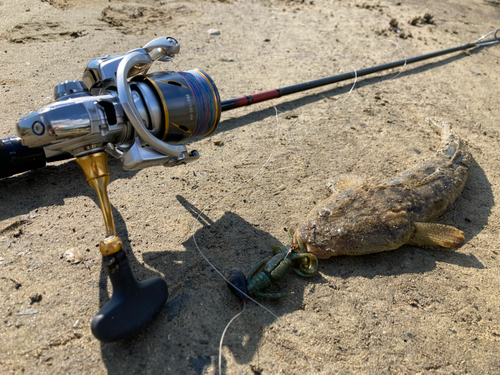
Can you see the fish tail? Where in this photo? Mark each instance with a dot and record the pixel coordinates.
(451, 145)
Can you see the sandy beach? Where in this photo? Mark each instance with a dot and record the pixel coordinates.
(411, 310)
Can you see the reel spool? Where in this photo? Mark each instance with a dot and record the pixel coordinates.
(186, 105)
(188, 101)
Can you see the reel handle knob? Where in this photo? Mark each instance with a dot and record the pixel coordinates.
(133, 304)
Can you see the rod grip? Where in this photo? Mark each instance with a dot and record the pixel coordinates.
(16, 158)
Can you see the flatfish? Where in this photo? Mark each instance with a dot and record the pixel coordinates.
(359, 218)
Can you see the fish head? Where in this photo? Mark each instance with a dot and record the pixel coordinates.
(353, 225)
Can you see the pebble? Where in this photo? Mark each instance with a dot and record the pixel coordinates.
(35, 298)
(214, 32)
(73, 255)
(16, 282)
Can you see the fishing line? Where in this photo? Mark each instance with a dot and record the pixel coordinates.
(305, 57)
(201, 91)
(356, 73)
(205, 99)
(406, 59)
(496, 36)
(210, 263)
(173, 62)
(224, 196)
(349, 93)
(222, 337)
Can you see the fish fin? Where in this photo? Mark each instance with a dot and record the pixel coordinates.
(339, 183)
(433, 235)
(439, 125)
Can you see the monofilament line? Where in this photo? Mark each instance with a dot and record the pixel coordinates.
(222, 337)
(497, 37)
(222, 197)
(406, 59)
(210, 263)
(352, 88)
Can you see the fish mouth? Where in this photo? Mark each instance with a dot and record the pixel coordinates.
(315, 250)
(320, 253)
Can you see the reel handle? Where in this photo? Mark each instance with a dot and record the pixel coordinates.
(133, 304)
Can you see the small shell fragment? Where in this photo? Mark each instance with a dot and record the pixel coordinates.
(73, 255)
(29, 311)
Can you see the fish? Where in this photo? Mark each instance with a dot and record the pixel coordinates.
(362, 218)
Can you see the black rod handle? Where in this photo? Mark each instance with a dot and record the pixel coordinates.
(16, 158)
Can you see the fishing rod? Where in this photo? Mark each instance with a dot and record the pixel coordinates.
(143, 119)
(276, 93)
(17, 155)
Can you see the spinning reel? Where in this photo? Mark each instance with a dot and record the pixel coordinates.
(144, 119)
(118, 107)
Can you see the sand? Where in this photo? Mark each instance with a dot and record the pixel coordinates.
(410, 310)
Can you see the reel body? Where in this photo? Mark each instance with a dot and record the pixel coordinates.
(142, 119)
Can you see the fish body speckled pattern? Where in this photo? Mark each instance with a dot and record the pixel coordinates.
(361, 219)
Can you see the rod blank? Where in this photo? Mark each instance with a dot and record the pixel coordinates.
(276, 93)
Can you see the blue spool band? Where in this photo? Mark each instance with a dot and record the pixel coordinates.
(206, 100)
